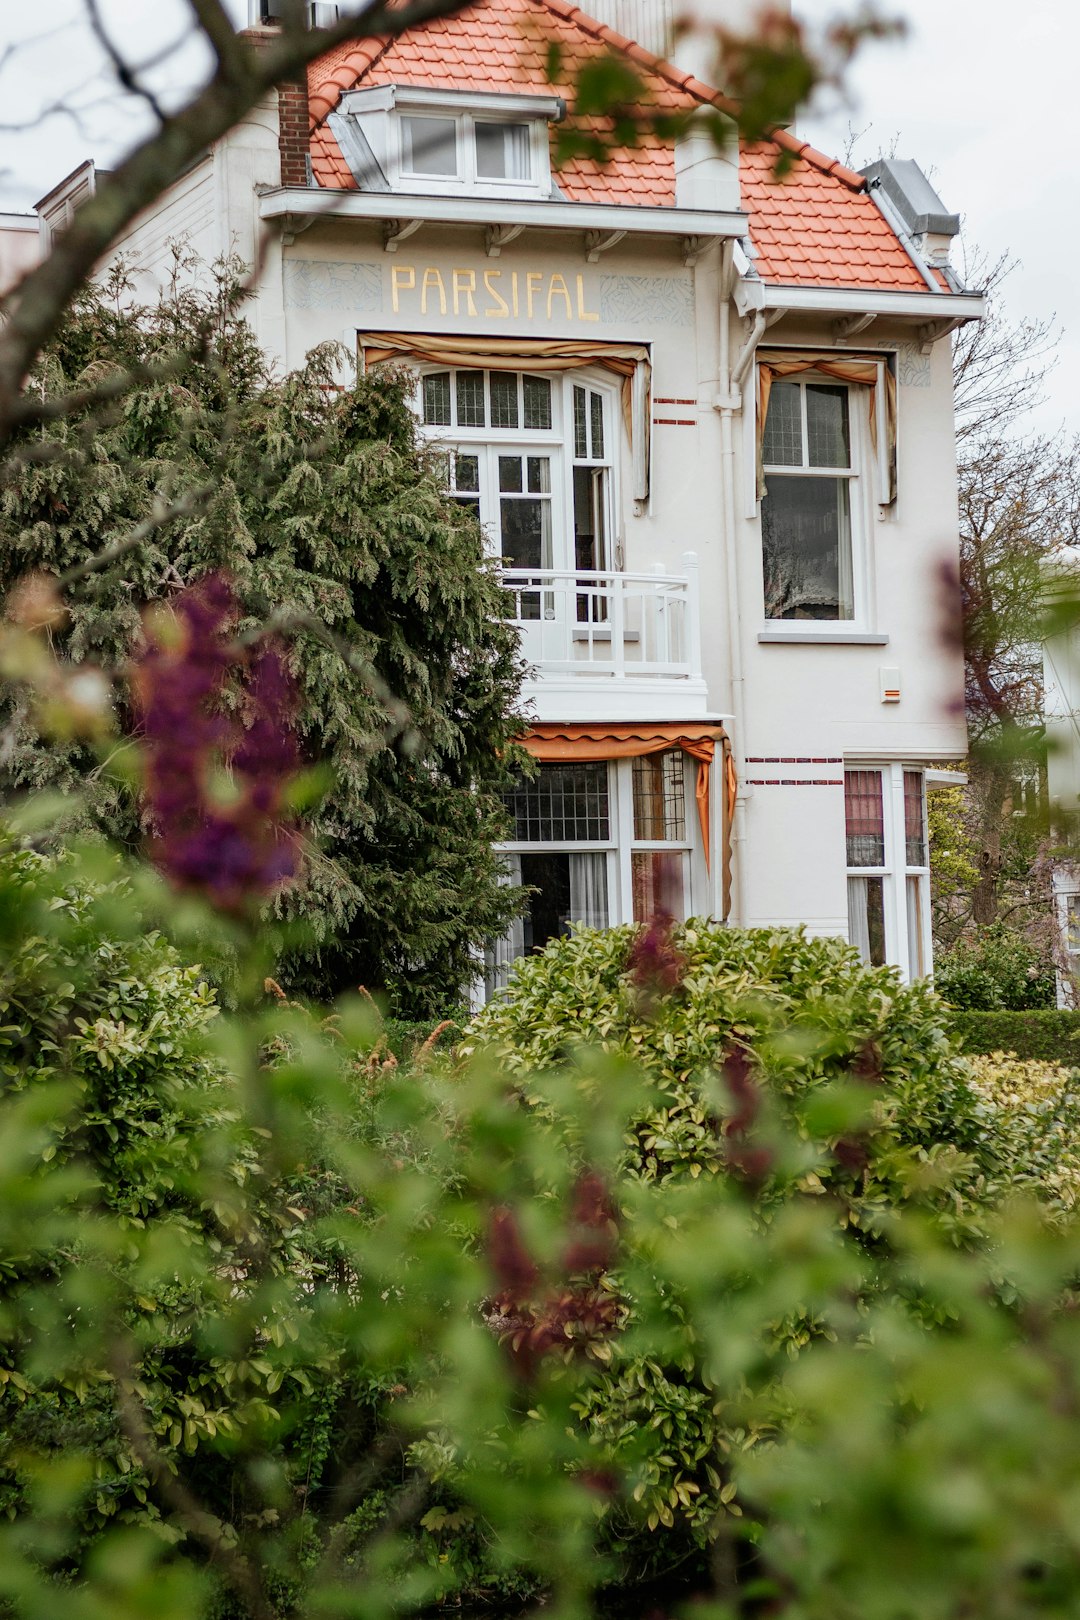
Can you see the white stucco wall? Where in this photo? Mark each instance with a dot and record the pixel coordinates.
(806, 709)
(811, 708)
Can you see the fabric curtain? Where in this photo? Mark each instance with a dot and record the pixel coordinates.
(630, 361)
(914, 927)
(552, 743)
(731, 794)
(858, 918)
(502, 953)
(861, 371)
(588, 890)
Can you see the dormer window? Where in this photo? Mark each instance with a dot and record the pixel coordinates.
(429, 147)
(396, 138)
(466, 148)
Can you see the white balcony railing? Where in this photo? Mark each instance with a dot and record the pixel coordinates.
(608, 625)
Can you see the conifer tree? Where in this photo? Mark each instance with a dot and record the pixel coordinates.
(321, 505)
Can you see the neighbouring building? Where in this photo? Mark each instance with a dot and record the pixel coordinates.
(705, 418)
(1061, 707)
(20, 247)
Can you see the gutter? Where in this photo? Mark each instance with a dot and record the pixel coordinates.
(697, 225)
(752, 294)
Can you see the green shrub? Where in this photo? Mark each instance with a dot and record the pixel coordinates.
(157, 1233)
(997, 970)
(1036, 1109)
(859, 1068)
(1043, 1034)
(807, 1014)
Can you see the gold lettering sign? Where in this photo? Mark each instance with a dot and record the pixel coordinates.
(494, 295)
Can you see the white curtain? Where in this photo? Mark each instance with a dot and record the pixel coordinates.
(588, 890)
(844, 560)
(917, 966)
(858, 920)
(501, 954)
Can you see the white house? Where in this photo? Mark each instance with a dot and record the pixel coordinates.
(705, 418)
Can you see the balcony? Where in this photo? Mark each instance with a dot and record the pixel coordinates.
(610, 645)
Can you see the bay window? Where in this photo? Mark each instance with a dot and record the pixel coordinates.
(599, 843)
(888, 867)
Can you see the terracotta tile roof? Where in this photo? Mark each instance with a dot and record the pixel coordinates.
(816, 227)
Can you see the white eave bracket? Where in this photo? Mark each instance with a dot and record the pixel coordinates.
(396, 231)
(496, 237)
(292, 227)
(597, 242)
(850, 326)
(929, 333)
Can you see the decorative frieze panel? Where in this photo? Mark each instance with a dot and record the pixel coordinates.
(912, 366)
(666, 299)
(341, 287)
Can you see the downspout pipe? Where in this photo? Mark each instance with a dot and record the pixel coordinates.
(749, 348)
(731, 378)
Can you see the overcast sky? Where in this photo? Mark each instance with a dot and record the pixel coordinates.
(981, 95)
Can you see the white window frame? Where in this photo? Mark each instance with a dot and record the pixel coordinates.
(467, 181)
(557, 442)
(622, 843)
(862, 476)
(895, 871)
(377, 111)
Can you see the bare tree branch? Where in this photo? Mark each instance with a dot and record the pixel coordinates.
(246, 71)
(124, 71)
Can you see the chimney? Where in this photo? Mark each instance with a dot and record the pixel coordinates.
(294, 131)
(696, 21)
(293, 117)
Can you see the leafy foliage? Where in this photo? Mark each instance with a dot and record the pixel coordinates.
(1036, 1112)
(996, 970)
(856, 1069)
(252, 1362)
(319, 503)
(805, 1012)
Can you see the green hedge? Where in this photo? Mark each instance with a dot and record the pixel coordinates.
(1047, 1033)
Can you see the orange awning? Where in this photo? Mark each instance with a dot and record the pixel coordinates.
(553, 743)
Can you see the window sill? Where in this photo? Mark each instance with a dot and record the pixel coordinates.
(825, 636)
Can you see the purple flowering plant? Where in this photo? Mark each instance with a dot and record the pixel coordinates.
(216, 785)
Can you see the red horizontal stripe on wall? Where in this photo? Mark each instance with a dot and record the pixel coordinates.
(658, 401)
(672, 421)
(793, 759)
(794, 781)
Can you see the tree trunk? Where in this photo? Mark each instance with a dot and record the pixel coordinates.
(995, 794)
